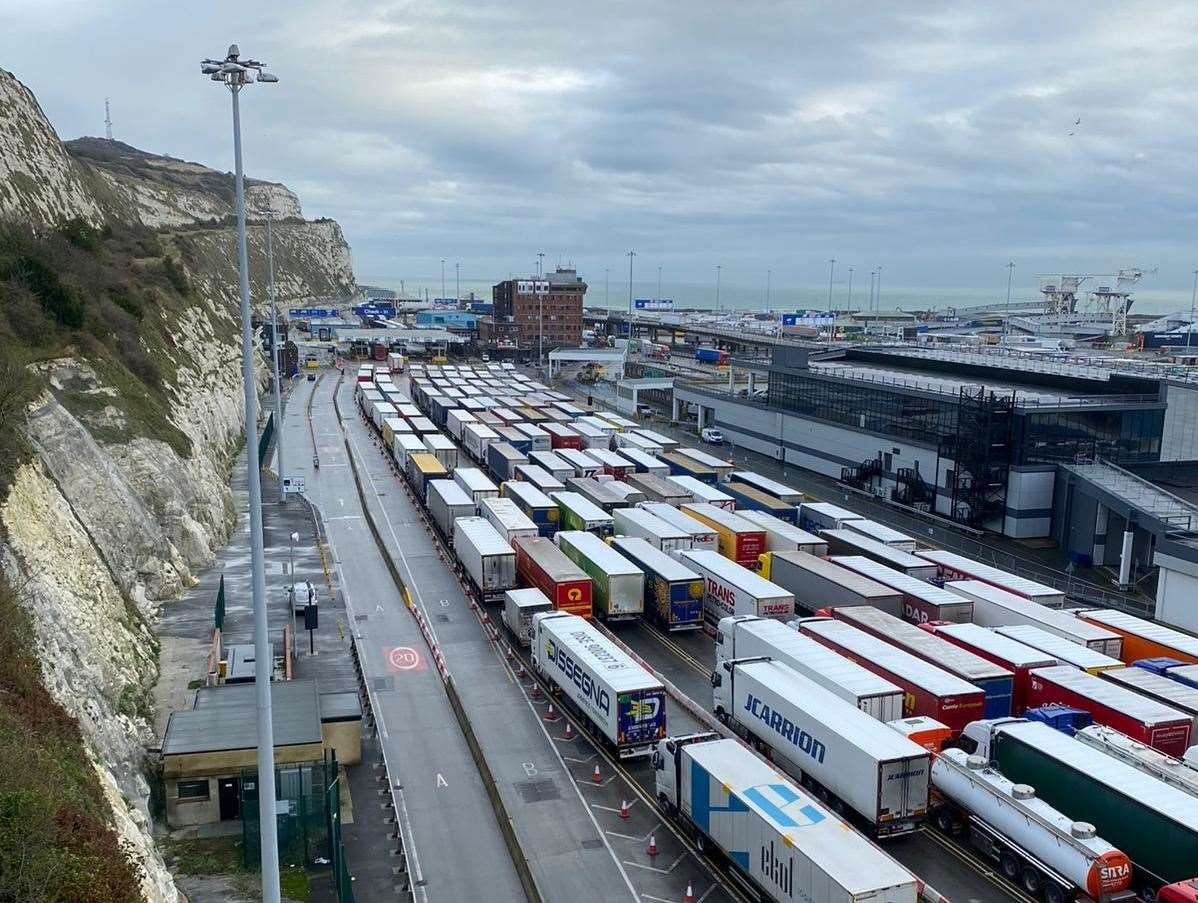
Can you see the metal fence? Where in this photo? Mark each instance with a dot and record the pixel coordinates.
(301, 810)
(264, 439)
(342, 879)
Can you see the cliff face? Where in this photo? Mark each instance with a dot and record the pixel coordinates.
(124, 494)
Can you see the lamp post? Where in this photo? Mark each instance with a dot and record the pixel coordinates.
(631, 254)
(235, 73)
(540, 310)
(274, 354)
(442, 277)
(878, 297)
(1006, 323)
(457, 282)
(831, 273)
(849, 304)
(659, 283)
(1193, 299)
(606, 288)
(769, 275)
(717, 286)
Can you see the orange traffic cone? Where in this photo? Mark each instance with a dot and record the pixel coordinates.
(690, 895)
(569, 730)
(652, 850)
(550, 714)
(595, 776)
(624, 809)
(535, 693)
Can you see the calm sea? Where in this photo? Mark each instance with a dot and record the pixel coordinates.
(739, 297)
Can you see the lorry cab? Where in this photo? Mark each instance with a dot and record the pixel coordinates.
(725, 637)
(667, 766)
(721, 684)
(1181, 892)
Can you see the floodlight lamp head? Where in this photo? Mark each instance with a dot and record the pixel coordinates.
(209, 68)
(269, 77)
(234, 52)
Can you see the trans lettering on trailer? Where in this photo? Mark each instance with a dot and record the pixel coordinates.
(574, 673)
(725, 595)
(785, 728)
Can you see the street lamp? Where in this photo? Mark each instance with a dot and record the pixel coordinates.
(457, 282)
(769, 275)
(831, 273)
(442, 277)
(849, 304)
(1006, 323)
(606, 288)
(540, 310)
(235, 73)
(274, 354)
(717, 286)
(631, 254)
(659, 283)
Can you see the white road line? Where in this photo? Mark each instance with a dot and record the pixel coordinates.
(706, 893)
(652, 868)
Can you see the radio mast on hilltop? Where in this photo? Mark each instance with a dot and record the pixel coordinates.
(107, 121)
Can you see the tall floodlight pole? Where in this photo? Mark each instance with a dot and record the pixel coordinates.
(235, 73)
(442, 277)
(849, 304)
(607, 288)
(457, 282)
(872, 276)
(540, 309)
(1006, 323)
(769, 274)
(831, 273)
(631, 254)
(1193, 299)
(659, 283)
(717, 286)
(878, 297)
(275, 351)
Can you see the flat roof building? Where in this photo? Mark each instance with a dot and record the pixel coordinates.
(550, 305)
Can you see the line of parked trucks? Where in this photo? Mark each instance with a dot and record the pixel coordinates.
(891, 700)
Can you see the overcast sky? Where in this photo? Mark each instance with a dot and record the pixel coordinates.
(938, 140)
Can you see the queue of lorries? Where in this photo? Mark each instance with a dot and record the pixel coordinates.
(868, 678)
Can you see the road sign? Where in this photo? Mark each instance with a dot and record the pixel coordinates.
(293, 485)
(312, 313)
(403, 658)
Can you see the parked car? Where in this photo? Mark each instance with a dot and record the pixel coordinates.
(712, 435)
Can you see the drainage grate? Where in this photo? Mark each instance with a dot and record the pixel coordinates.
(379, 684)
(541, 791)
(593, 844)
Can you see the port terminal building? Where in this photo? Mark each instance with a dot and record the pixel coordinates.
(1015, 443)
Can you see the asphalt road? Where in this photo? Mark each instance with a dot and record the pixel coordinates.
(455, 848)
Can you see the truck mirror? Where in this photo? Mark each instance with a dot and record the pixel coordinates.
(717, 679)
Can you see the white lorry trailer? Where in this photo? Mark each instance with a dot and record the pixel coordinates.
(828, 744)
(486, 555)
(519, 607)
(779, 838)
(749, 636)
(624, 702)
(729, 589)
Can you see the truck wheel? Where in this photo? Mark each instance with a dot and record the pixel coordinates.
(1053, 894)
(943, 819)
(1009, 866)
(1032, 881)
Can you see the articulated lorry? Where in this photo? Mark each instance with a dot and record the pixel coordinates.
(623, 703)
(1154, 824)
(1033, 844)
(779, 838)
(828, 744)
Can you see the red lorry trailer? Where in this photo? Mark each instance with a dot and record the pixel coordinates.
(1016, 657)
(541, 564)
(1141, 718)
(927, 689)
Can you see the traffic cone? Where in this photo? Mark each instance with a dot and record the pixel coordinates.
(535, 693)
(569, 730)
(550, 714)
(690, 895)
(624, 809)
(595, 776)
(652, 850)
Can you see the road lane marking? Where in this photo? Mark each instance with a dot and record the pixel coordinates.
(441, 782)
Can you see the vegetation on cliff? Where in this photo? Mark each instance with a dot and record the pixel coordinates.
(57, 844)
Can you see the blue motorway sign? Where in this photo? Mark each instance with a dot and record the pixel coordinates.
(312, 313)
(653, 303)
(809, 318)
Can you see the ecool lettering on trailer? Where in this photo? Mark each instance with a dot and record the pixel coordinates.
(785, 728)
(595, 694)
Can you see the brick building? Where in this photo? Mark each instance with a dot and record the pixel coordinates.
(520, 305)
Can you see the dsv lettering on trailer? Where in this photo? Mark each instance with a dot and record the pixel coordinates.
(786, 728)
(594, 693)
